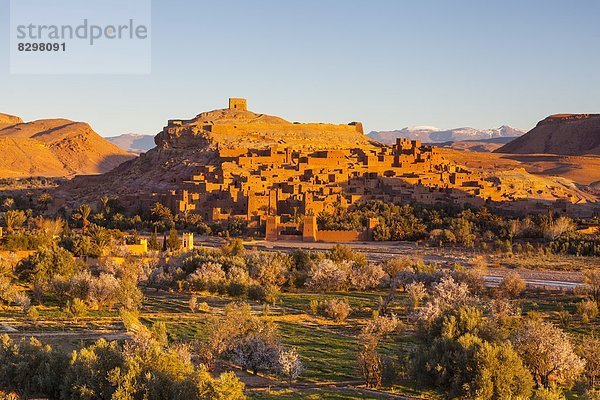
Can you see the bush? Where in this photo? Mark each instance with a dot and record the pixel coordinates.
(30, 368)
(367, 276)
(255, 353)
(473, 277)
(269, 268)
(314, 306)
(267, 294)
(453, 357)
(23, 301)
(76, 309)
(8, 291)
(33, 313)
(548, 352)
(552, 393)
(238, 281)
(512, 285)
(337, 310)
(44, 265)
(209, 276)
(143, 368)
(417, 292)
(588, 309)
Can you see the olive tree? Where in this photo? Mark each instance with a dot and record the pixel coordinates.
(548, 352)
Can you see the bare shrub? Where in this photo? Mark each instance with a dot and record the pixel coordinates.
(328, 275)
(367, 276)
(209, 276)
(417, 292)
(290, 364)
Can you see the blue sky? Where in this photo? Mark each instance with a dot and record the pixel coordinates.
(387, 63)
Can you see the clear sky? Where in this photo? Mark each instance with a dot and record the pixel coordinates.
(387, 63)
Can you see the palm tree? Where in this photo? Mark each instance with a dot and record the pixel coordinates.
(100, 238)
(84, 213)
(105, 207)
(44, 199)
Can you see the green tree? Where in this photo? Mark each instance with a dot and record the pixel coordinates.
(162, 213)
(76, 309)
(47, 263)
(234, 247)
(31, 369)
(153, 245)
(455, 358)
(173, 242)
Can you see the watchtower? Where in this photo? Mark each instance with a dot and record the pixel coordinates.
(309, 230)
(188, 241)
(237, 104)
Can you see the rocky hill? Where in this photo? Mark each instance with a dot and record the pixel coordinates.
(430, 134)
(54, 148)
(133, 142)
(566, 134)
(184, 145)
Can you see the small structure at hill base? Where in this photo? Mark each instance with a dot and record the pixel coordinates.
(308, 231)
(187, 242)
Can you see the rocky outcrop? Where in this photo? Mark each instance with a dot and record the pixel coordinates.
(565, 134)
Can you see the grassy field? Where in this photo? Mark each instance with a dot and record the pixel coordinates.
(328, 349)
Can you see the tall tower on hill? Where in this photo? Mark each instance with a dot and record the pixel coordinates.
(237, 104)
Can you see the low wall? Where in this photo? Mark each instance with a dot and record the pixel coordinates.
(339, 236)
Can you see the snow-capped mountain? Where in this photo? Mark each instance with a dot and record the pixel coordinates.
(430, 134)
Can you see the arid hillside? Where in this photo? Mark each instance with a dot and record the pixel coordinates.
(567, 134)
(54, 148)
(581, 170)
(8, 120)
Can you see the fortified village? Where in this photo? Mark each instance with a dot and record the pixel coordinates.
(279, 175)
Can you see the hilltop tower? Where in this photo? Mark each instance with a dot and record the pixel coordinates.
(237, 104)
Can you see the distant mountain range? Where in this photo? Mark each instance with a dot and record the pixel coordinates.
(133, 142)
(430, 134)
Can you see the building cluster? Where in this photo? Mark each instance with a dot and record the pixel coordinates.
(291, 182)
